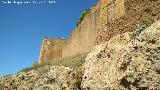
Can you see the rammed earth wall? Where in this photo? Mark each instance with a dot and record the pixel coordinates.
(107, 19)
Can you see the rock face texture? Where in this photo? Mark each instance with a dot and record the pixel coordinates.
(110, 10)
(20, 81)
(57, 78)
(128, 61)
(51, 48)
(124, 15)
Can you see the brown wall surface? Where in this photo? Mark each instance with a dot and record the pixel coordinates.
(136, 12)
(83, 38)
(51, 48)
(110, 11)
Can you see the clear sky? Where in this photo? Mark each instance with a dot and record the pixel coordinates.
(23, 27)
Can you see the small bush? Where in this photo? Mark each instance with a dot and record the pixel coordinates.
(26, 69)
(78, 79)
(86, 11)
(6, 75)
(142, 26)
(41, 68)
(35, 64)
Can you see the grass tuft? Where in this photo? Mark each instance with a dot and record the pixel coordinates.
(86, 11)
(72, 61)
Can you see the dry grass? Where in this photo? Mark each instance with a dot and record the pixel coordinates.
(73, 62)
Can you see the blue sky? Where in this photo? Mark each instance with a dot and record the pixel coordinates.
(23, 27)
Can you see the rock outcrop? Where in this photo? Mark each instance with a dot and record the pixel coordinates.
(20, 81)
(56, 78)
(128, 61)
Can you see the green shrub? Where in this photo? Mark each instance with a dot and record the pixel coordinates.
(26, 69)
(6, 75)
(35, 64)
(41, 68)
(78, 79)
(86, 11)
(142, 26)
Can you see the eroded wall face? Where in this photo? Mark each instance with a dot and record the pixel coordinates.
(83, 38)
(51, 49)
(128, 14)
(110, 11)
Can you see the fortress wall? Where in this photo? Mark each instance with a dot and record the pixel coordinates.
(110, 11)
(83, 38)
(136, 12)
(51, 48)
(107, 19)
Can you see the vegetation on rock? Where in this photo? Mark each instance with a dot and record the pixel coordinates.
(142, 26)
(86, 11)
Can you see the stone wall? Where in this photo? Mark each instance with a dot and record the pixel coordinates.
(83, 38)
(51, 48)
(109, 12)
(136, 12)
(105, 20)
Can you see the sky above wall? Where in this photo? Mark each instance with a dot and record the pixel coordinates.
(23, 27)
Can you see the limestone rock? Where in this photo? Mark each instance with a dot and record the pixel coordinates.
(20, 81)
(57, 78)
(125, 63)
